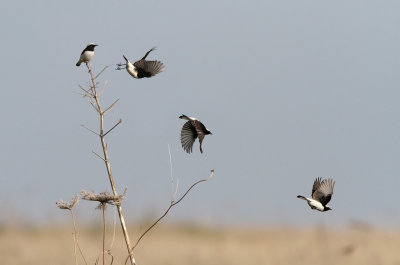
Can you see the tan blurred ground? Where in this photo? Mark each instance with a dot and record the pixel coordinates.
(192, 245)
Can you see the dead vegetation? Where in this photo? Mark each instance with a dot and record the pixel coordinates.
(188, 244)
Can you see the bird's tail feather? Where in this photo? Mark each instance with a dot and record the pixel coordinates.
(183, 116)
(302, 197)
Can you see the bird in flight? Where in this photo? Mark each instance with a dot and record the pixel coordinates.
(142, 68)
(191, 130)
(87, 54)
(321, 194)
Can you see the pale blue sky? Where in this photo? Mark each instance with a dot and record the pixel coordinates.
(291, 90)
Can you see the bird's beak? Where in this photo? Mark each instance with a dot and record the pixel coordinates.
(96, 45)
(125, 58)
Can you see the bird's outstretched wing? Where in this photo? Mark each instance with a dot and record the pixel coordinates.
(147, 53)
(188, 136)
(148, 68)
(317, 183)
(324, 190)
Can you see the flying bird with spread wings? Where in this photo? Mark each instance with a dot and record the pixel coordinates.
(142, 68)
(191, 130)
(321, 194)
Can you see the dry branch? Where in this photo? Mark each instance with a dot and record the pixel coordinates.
(94, 101)
(69, 206)
(172, 204)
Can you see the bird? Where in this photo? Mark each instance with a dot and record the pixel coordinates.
(87, 54)
(321, 194)
(191, 130)
(142, 68)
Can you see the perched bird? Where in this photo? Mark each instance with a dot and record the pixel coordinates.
(191, 130)
(321, 194)
(87, 54)
(142, 68)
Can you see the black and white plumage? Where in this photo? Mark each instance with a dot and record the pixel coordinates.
(87, 54)
(143, 68)
(191, 130)
(321, 194)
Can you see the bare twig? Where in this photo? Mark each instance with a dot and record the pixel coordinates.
(111, 106)
(99, 156)
(87, 92)
(176, 189)
(114, 226)
(103, 87)
(112, 257)
(103, 208)
(173, 203)
(96, 104)
(173, 193)
(90, 130)
(112, 128)
(105, 67)
(69, 206)
(95, 107)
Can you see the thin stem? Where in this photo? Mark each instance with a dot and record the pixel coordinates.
(112, 257)
(106, 159)
(99, 156)
(76, 239)
(90, 130)
(118, 123)
(168, 209)
(171, 176)
(95, 107)
(103, 207)
(105, 67)
(111, 106)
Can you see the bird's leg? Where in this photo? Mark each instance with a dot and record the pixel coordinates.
(120, 66)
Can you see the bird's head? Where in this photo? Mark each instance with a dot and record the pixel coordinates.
(127, 62)
(327, 208)
(91, 45)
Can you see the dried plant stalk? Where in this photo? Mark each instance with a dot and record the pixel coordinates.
(172, 204)
(70, 207)
(94, 100)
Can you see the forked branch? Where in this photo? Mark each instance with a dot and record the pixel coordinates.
(172, 204)
(112, 128)
(94, 101)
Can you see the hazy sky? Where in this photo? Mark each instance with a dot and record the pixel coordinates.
(292, 90)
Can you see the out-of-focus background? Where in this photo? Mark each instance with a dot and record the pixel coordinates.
(190, 244)
(292, 90)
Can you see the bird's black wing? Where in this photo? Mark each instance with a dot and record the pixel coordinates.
(317, 183)
(188, 136)
(147, 53)
(324, 192)
(148, 68)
